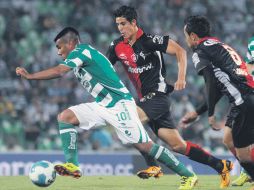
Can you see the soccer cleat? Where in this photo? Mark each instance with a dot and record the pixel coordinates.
(242, 179)
(152, 171)
(188, 183)
(225, 173)
(68, 169)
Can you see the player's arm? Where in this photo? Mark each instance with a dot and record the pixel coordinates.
(111, 55)
(213, 94)
(51, 73)
(174, 48)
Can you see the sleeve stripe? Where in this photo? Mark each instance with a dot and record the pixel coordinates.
(78, 62)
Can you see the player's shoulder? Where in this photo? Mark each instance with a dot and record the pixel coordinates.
(116, 41)
(208, 46)
(209, 43)
(154, 37)
(79, 48)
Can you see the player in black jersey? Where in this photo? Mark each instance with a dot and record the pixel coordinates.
(225, 73)
(142, 56)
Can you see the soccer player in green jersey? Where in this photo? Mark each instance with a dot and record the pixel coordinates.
(113, 105)
(250, 56)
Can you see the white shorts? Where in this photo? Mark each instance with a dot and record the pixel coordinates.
(123, 117)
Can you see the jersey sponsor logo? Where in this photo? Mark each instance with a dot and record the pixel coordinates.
(84, 78)
(210, 42)
(195, 59)
(140, 69)
(141, 54)
(72, 141)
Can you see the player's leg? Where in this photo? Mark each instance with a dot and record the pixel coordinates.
(161, 122)
(130, 130)
(242, 133)
(154, 167)
(80, 115)
(67, 121)
(196, 153)
(166, 157)
(228, 142)
(246, 158)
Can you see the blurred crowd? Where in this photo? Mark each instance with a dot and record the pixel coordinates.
(28, 109)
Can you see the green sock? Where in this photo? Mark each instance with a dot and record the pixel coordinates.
(68, 136)
(166, 157)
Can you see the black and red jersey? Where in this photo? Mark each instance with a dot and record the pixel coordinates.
(224, 71)
(143, 61)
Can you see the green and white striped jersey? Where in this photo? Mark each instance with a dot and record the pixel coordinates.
(250, 52)
(96, 75)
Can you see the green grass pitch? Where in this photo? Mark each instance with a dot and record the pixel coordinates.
(167, 182)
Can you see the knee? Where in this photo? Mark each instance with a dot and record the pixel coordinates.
(65, 116)
(180, 148)
(243, 158)
(144, 147)
(228, 142)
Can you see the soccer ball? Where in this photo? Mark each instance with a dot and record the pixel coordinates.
(42, 173)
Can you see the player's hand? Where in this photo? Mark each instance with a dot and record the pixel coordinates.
(20, 71)
(180, 84)
(187, 119)
(213, 124)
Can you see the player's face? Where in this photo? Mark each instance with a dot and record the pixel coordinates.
(188, 39)
(126, 28)
(63, 48)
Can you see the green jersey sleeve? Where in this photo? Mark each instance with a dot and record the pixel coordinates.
(250, 53)
(77, 58)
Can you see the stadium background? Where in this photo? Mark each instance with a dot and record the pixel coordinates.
(28, 109)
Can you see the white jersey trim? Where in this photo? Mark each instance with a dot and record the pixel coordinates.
(78, 62)
(233, 91)
(62, 131)
(162, 84)
(158, 152)
(106, 100)
(97, 89)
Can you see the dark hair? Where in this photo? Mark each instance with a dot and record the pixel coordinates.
(73, 34)
(198, 25)
(127, 12)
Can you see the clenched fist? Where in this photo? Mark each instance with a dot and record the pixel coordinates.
(187, 119)
(20, 71)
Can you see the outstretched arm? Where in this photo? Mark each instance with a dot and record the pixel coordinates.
(174, 48)
(51, 73)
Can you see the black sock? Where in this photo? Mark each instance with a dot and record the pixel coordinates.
(150, 161)
(249, 168)
(196, 153)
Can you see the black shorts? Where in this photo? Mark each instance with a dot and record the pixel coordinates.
(157, 109)
(241, 120)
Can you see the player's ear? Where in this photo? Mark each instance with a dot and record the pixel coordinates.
(193, 36)
(134, 22)
(72, 44)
